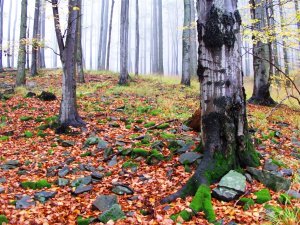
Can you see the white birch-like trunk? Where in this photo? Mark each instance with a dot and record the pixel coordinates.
(1, 35)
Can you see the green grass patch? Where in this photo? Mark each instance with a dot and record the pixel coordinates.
(26, 118)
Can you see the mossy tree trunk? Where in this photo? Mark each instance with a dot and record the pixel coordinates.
(261, 55)
(225, 137)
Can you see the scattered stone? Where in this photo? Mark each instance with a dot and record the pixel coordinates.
(130, 214)
(102, 145)
(64, 171)
(67, 143)
(113, 161)
(97, 176)
(225, 194)
(183, 149)
(47, 96)
(114, 213)
(158, 145)
(189, 157)
(2, 180)
(234, 180)
(293, 194)
(51, 172)
(24, 202)
(105, 202)
(107, 153)
(122, 189)
(87, 167)
(30, 94)
(170, 173)
(270, 180)
(286, 172)
(249, 178)
(81, 181)
(120, 143)
(92, 140)
(62, 182)
(69, 160)
(167, 207)
(2, 190)
(133, 198)
(270, 166)
(295, 142)
(10, 164)
(185, 128)
(82, 188)
(44, 196)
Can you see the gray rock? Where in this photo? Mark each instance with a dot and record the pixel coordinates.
(69, 160)
(24, 202)
(2, 190)
(183, 149)
(105, 202)
(10, 164)
(113, 161)
(185, 128)
(44, 196)
(189, 157)
(82, 188)
(293, 194)
(225, 194)
(122, 189)
(107, 153)
(270, 180)
(97, 175)
(67, 143)
(295, 142)
(270, 166)
(286, 172)
(81, 181)
(62, 182)
(130, 214)
(51, 172)
(249, 178)
(64, 171)
(102, 145)
(234, 180)
(88, 167)
(114, 213)
(92, 140)
(2, 180)
(158, 145)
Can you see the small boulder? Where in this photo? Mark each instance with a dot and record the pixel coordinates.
(44, 196)
(293, 194)
(114, 213)
(82, 188)
(113, 161)
(102, 145)
(62, 182)
(67, 143)
(189, 157)
(270, 166)
(97, 175)
(64, 171)
(47, 96)
(122, 189)
(105, 202)
(81, 181)
(286, 172)
(234, 180)
(225, 194)
(24, 202)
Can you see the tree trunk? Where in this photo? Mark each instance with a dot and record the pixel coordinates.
(137, 37)
(261, 55)
(8, 53)
(35, 39)
(1, 34)
(27, 45)
(103, 35)
(284, 47)
(154, 47)
(80, 73)
(109, 33)
(21, 77)
(68, 115)
(14, 37)
(42, 63)
(186, 76)
(225, 138)
(124, 42)
(91, 37)
(160, 39)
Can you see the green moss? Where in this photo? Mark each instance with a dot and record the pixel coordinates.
(249, 157)
(279, 163)
(202, 202)
(129, 164)
(86, 154)
(167, 136)
(128, 126)
(139, 152)
(26, 118)
(28, 185)
(3, 219)
(35, 185)
(262, 196)
(185, 215)
(28, 134)
(83, 221)
(163, 126)
(41, 134)
(155, 112)
(247, 203)
(174, 217)
(284, 199)
(155, 156)
(42, 184)
(4, 138)
(139, 121)
(150, 124)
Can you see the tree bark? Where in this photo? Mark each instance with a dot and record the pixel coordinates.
(124, 42)
(80, 72)
(284, 47)
(35, 39)
(42, 63)
(21, 77)
(193, 41)
(103, 35)
(160, 39)
(68, 115)
(225, 137)
(186, 76)
(1, 34)
(261, 52)
(8, 52)
(91, 37)
(109, 34)
(14, 37)
(137, 38)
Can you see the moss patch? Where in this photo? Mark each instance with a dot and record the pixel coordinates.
(150, 124)
(3, 219)
(163, 126)
(247, 203)
(139, 152)
(35, 185)
(284, 199)
(262, 196)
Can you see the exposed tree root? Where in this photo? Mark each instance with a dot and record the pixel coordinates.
(262, 101)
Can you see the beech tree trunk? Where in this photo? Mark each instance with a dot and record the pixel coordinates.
(80, 72)
(186, 76)
(103, 35)
(124, 42)
(68, 115)
(35, 39)
(14, 37)
(225, 138)
(284, 47)
(193, 41)
(137, 38)
(261, 55)
(109, 33)
(42, 63)
(160, 39)
(1, 34)
(21, 77)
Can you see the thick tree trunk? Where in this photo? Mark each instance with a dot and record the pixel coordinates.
(103, 35)
(186, 76)
(137, 38)
(261, 55)
(160, 39)
(8, 52)
(68, 115)
(80, 73)
(193, 41)
(14, 37)
(1, 34)
(35, 39)
(21, 77)
(284, 47)
(124, 42)
(42, 63)
(27, 46)
(91, 37)
(225, 137)
(154, 47)
(109, 34)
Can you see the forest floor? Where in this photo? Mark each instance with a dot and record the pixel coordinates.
(122, 117)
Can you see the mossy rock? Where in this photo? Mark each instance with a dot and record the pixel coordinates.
(284, 199)
(86, 154)
(163, 126)
(149, 124)
(262, 196)
(139, 152)
(139, 121)
(3, 219)
(128, 126)
(28, 134)
(155, 157)
(129, 164)
(41, 134)
(246, 202)
(114, 213)
(35, 185)
(167, 136)
(84, 221)
(4, 138)
(26, 118)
